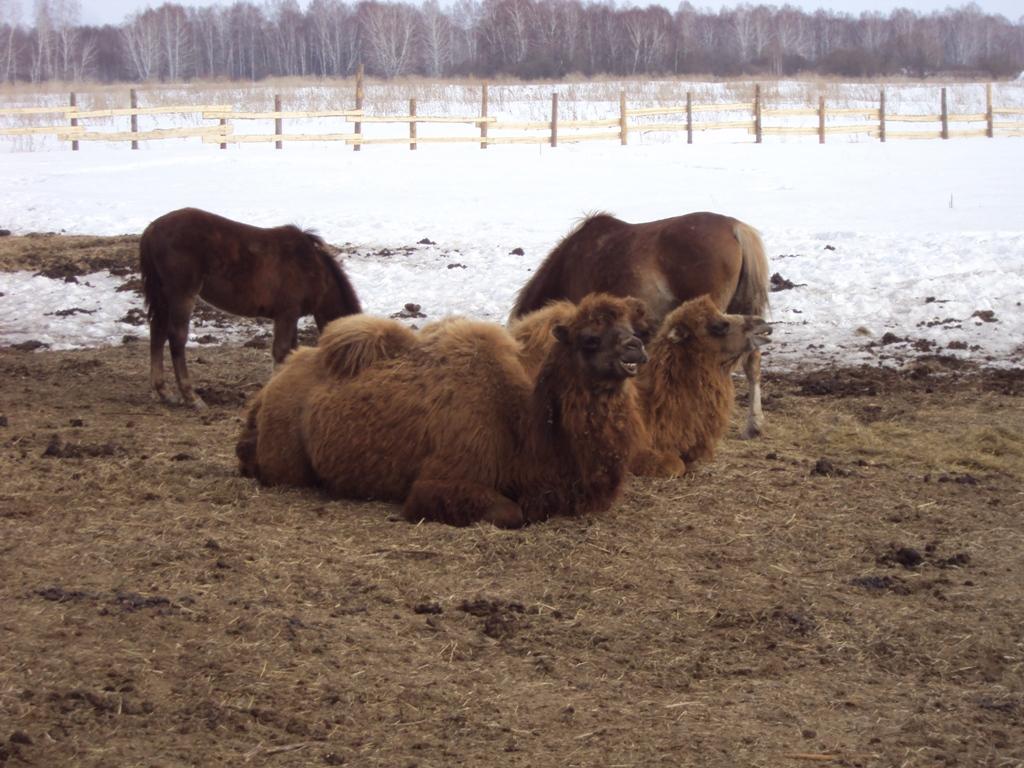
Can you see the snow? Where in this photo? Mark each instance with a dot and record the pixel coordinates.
(872, 231)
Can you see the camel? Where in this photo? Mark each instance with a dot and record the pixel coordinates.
(449, 423)
(686, 390)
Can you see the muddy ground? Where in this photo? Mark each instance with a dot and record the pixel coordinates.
(847, 590)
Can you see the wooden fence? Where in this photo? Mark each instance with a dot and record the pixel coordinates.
(757, 119)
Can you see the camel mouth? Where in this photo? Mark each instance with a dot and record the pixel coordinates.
(759, 335)
(629, 369)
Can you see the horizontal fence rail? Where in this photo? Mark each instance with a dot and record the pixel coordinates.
(753, 117)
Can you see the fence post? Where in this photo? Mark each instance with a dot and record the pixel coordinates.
(989, 124)
(689, 117)
(821, 119)
(945, 116)
(483, 113)
(554, 119)
(623, 125)
(757, 114)
(277, 121)
(223, 124)
(358, 130)
(412, 124)
(882, 116)
(134, 103)
(73, 102)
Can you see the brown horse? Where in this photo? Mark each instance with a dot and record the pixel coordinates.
(281, 273)
(664, 263)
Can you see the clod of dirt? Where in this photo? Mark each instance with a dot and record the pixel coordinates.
(957, 345)
(3, 421)
(425, 241)
(61, 595)
(428, 607)
(206, 338)
(71, 311)
(830, 247)
(880, 583)
(890, 338)
(57, 449)
(20, 737)
(959, 560)
(517, 252)
(30, 346)
(77, 423)
(131, 602)
(908, 557)
(825, 468)
(130, 338)
(66, 272)
(985, 315)
(779, 283)
(966, 479)
(183, 457)
(135, 316)
(135, 284)
(258, 342)
(409, 311)
(456, 265)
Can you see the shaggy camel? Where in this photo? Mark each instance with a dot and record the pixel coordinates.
(449, 422)
(665, 263)
(686, 390)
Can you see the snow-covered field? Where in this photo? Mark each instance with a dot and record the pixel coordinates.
(907, 238)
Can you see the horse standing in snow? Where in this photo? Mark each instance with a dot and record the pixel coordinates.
(281, 273)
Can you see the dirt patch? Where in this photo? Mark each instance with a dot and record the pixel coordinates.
(70, 256)
(846, 590)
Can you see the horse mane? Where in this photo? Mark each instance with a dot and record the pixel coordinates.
(345, 289)
(549, 281)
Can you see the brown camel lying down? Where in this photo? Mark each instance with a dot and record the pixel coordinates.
(449, 422)
(686, 390)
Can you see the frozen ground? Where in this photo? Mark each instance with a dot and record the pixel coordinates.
(906, 238)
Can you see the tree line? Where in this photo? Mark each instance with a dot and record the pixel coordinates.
(530, 39)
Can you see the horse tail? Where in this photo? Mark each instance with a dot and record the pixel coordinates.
(152, 285)
(348, 302)
(351, 344)
(751, 296)
(548, 282)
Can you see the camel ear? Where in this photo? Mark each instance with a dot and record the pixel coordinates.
(679, 334)
(561, 333)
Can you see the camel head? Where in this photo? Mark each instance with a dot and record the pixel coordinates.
(601, 339)
(699, 325)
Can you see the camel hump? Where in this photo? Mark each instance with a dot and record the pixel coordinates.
(350, 344)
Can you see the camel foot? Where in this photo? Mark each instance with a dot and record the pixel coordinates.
(504, 514)
(651, 463)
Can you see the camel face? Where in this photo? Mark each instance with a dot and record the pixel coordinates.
(701, 325)
(602, 340)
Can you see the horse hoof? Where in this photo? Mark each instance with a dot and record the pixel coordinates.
(752, 431)
(197, 404)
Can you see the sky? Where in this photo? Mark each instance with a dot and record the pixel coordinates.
(115, 11)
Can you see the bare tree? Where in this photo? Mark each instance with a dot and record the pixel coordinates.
(436, 39)
(388, 34)
(10, 17)
(141, 38)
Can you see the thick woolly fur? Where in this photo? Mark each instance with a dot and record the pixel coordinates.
(449, 422)
(686, 390)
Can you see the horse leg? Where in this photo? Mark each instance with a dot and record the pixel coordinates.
(460, 503)
(755, 416)
(157, 339)
(177, 336)
(286, 337)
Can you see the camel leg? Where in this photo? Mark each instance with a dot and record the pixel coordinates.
(157, 339)
(180, 316)
(286, 337)
(755, 416)
(460, 503)
(649, 462)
